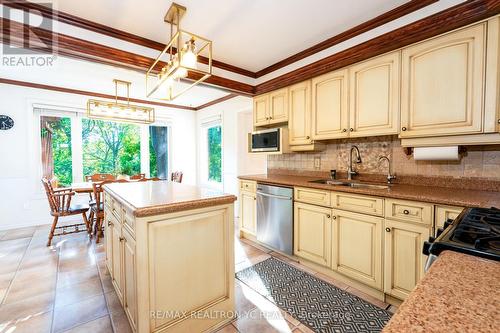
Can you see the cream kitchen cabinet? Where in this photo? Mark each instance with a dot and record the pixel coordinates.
(357, 247)
(272, 108)
(442, 84)
(299, 122)
(403, 258)
(443, 213)
(129, 273)
(330, 114)
(117, 276)
(374, 96)
(248, 211)
(312, 233)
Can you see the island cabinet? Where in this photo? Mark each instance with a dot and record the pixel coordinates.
(248, 207)
(170, 254)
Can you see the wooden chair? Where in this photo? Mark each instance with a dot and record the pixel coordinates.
(139, 176)
(176, 176)
(99, 177)
(60, 206)
(98, 207)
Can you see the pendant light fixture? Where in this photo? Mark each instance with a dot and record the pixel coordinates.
(165, 79)
(124, 112)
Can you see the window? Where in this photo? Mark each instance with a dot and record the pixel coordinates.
(158, 151)
(56, 149)
(110, 147)
(214, 139)
(72, 146)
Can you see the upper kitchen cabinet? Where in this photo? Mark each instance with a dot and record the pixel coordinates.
(299, 123)
(329, 106)
(270, 109)
(374, 96)
(442, 85)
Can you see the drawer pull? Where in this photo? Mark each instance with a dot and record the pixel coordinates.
(110, 224)
(388, 229)
(121, 239)
(351, 129)
(406, 212)
(344, 130)
(403, 129)
(327, 216)
(308, 137)
(334, 217)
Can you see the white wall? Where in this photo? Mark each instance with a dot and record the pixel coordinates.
(22, 201)
(248, 163)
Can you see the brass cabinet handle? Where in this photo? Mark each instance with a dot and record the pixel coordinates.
(110, 224)
(351, 129)
(388, 229)
(499, 121)
(403, 129)
(334, 217)
(327, 216)
(121, 239)
(270, 117)
(308, 137)
(406, 212)
(344, 130)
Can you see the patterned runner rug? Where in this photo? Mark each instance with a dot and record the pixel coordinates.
(315, 303)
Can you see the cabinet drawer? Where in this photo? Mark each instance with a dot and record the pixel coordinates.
(358, 203)
(442, 213)
(129, 221)
(312, 196)
(116, 209)
(108, 200)
(248, 185)
(409, 211)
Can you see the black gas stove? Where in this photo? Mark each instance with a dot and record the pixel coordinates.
(476, 231)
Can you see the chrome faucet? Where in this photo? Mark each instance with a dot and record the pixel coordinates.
(350, 171)
(390, 175)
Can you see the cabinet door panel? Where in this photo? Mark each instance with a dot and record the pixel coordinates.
(260, 110)
(129, 269)
(299, 118)
(329, 106)
(404, 261)
(357, 247)
(247, 212)
(374, 96)
(278, 103)
(312, 233)
(117, 261)
(441, 85)
(108, 234)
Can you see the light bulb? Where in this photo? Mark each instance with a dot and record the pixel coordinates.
(189, 57)
(181, 72)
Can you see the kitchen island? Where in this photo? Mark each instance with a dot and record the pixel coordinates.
(170, 253)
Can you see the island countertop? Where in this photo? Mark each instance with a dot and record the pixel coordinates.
(162, 197)
(460, 293)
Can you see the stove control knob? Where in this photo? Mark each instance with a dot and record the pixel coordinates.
(439, 231)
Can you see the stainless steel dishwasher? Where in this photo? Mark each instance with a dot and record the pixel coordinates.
(275, 217)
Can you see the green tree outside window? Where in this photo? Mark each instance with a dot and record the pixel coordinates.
(214, 137)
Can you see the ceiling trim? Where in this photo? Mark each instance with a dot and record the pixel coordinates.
(111, 32)
(216, 101)
(91, 93)
(16, 33)
(382, 19)
(449, 19)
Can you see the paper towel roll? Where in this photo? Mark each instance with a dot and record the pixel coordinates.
(436, 154)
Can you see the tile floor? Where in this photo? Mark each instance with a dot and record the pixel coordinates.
(67, 288)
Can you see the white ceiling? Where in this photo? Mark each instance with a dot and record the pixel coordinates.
(251, 34)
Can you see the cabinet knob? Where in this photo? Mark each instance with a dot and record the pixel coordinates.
(499, 121)
(406, 212)
(351, 129)
(327, 216)
(270, 117)
(344, 130)
(403, 129)
(308, 137)
(121, 239)
(334, 217)
(109, 223)
(388, 229)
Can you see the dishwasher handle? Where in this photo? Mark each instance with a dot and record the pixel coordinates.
(274, 196)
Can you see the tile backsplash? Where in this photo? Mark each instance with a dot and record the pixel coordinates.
(477, 162)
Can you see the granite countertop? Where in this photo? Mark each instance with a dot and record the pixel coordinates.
(460, 293)
(162, 197)
(432, 194)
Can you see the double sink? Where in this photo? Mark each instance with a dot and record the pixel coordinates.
(347, 183)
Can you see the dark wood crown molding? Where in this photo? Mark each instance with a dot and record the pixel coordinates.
(449, 19)
(108, 31)
(16, 33)
(90, 93)
(384, 18)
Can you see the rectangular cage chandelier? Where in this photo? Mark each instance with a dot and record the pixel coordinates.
(166, 78)
(124, 112)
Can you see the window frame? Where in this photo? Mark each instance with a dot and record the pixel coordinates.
(203, 155)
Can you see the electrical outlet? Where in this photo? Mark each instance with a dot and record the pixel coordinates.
(317, 162)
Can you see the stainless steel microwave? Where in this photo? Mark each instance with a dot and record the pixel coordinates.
(265, 141)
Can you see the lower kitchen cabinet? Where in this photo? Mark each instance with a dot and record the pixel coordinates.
(248, 212)
(404, 261)
(117, 255)
(129, 269)
(312, 233)
(357, 247)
